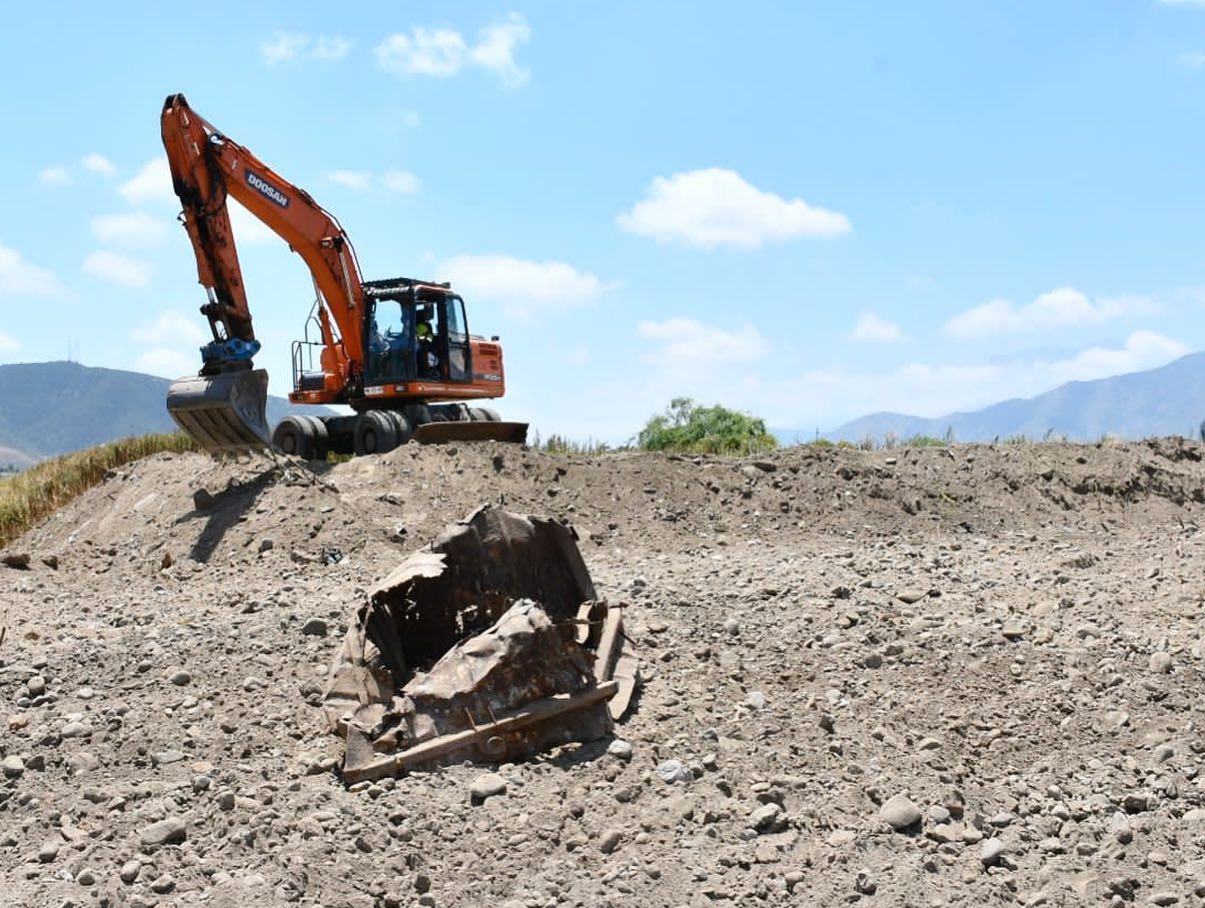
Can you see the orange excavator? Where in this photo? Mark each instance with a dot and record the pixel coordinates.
(397, 352)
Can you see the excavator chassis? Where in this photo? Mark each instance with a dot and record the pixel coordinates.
(224, 413)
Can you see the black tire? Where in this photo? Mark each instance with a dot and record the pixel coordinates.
(401, 426)
(321, 437)
(416, 415)
(374, 433)
(294, 435)
(484, 414)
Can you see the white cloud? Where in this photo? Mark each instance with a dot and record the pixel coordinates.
(495, 49)
(1059, 308)
(363, 180)
(876, 330)
(136, 230)
(523, 288)
(283, 47)
(684, 342)
(331, 47)
(716, 207)
(830, 397)
(173, 338)
(248, 229)
(400, 181)
(8, 343)
(118, 269)
(167, 362)
(359, 180)
(170, 327)
(19, 278)
(54, 176)
(152, 184)
(98, 163)
(444, 52)
(438, 52)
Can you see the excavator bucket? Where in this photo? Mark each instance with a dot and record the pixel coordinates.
(440, 433)
(222, 413)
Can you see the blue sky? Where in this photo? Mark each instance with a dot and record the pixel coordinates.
(808, 211)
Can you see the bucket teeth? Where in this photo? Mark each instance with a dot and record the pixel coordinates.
(222, 413)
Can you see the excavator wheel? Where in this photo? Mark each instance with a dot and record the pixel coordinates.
(295, 435)
(401, 425)
(321, 437)
(484, 414)
(374, 433)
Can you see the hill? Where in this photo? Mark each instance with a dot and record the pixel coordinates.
(57, 407)
(1169, 400)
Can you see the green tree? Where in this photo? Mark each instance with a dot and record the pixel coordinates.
(685, 426)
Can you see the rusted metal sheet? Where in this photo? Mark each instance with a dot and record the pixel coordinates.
(487, 646)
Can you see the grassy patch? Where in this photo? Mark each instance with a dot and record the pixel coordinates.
(33, 495)
(559, 444)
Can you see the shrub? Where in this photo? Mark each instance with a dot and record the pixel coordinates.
(687, 427)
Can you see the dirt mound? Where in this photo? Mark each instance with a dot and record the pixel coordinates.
(959, 675)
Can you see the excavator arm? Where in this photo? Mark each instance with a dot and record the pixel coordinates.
(223, 407)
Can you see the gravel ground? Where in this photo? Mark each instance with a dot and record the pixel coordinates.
(936, 676)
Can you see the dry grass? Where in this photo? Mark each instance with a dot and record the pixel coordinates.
(33, 495)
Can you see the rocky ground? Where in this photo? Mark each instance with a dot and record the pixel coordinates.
(939, 676)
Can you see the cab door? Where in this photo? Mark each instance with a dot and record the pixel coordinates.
(460, 369)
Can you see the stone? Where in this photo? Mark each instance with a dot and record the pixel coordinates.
(86, 877)
(76, 730)
(1164, 898)
(81, 761)
(13, 766)
(36, 686)
(315, 627)
(163, 884)
(609, 840)
(226, 800)
(620, 749)
(910, 596)
(674, 772)
(767, 818)
(1136, 802)
(167, 756)
(1120, 829)
(992, 852)
(181, 678)
(129, 871)
(486, 785)
(170, 831)
(899, 812)
(48, 851)
(1161, 663)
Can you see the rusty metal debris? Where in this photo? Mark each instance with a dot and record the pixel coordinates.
(489, 645)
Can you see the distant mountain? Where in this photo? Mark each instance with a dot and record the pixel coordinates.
(1169, 400)
(54, 408)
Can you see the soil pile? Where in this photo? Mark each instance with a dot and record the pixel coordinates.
(964, 675)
